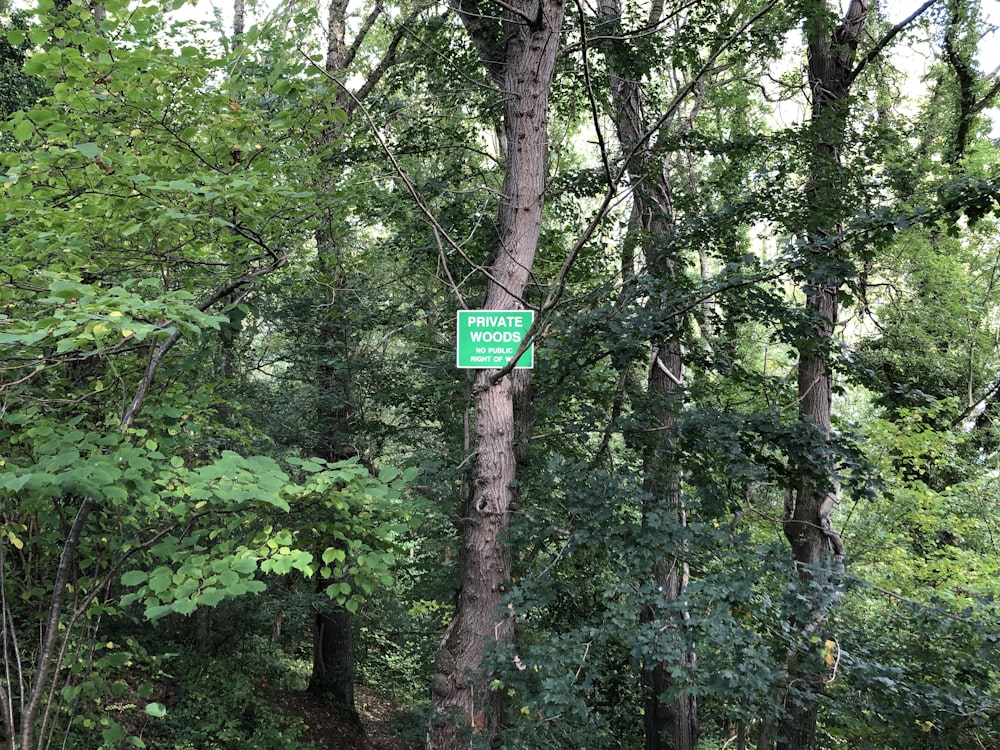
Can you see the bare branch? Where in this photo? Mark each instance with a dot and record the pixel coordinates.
(411, 188)
(47, 650)
(246, 280)
(388, 59)
(352, 51)
(882, 43)
(591, 98)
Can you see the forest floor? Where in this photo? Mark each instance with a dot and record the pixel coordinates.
(384, 723)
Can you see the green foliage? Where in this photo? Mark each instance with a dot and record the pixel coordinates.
(142, 203)
(218, 704)
(18, 91)
(223, 320)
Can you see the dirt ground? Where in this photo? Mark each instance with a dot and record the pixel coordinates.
(380, 719)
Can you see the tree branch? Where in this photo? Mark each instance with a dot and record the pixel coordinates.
(559, 283)
(246, 280)
(485, 37)
(882, 43)
(47, 650)
(387, 61)
(415, 195)
(591, 98)
(352, 51)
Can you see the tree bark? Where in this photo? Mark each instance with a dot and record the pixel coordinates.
(333, 657)
(519, 54)
(39, 682)
(239, 16)
(672, 724)
(333, 667)
(817, 549)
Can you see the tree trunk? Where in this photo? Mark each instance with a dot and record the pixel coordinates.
(38, 684)
(817, 549)
(333, 667)
(333, 658)
(336, 412)
(239, 15)
(672, 724)
(523, 65)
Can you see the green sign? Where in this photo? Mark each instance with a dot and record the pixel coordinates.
(488, 339)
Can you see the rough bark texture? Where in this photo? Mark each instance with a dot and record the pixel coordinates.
(333, 658)
(520, 55)
(337, 413)
(668, 725)
(965, 78)
(673, 724)
(239, 15)
(816, 547)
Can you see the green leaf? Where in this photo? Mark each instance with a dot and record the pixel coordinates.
(155, 613)
(134, 578)
(24, 130)
(245, 565)
(185, 606)
(160, 581)
(90, 150)
(156, 709)
(118, 660)
(211, 596)
(112, 734)
(67, 289)
(332, 554)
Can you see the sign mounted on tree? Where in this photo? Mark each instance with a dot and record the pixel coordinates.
(490, 338)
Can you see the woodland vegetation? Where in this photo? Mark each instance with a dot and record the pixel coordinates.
(747, 497)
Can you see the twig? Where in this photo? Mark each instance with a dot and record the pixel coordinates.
(882, 43)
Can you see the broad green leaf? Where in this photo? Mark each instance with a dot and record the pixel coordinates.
(113, 734)
(211, 596)
(90, 150)
(134, 578)
(245, 565)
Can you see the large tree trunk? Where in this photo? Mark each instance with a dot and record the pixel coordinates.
(336, 413)
(668, 724)
(333, 667)
(333, 657)
(523, 66)
(672, 724)
(816, 547)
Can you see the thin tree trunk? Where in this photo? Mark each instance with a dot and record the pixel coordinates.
(523, 65)
(239, 22)
(46, 654)
(669, 725)
(333, 667)
(333, 634)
